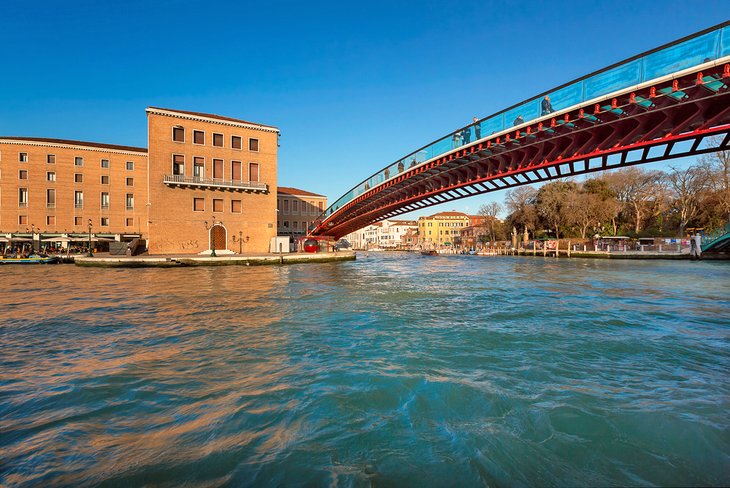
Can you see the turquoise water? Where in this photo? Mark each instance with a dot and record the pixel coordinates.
(393, 370)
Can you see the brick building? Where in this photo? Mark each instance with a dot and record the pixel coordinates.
(296, 210)
(205, 182)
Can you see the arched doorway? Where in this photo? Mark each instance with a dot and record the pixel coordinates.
(218, 238)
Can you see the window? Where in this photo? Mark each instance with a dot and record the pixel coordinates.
(253, 145)
(320, 205)
(294, 207)
(130, 201)
(130, 181)
(235, 206)
(22, 197)
(286, 207)
(199, 167)
(105, 163)
(286, 224)
(23, 157)
(51, 176)
(178, 134)
(253, 172)
(23, 174)
(78, 221)
(79, 199)
(104, 199)
(178, 164)
(236, 171)
(129, 222)
(78, 161)
(50, 198)
(51, 158)
(22, 219)
(105, 221)
(130, 165)
(198, 204)
(50, 220)
(295, 225)
(78, 177)
(104, 179)
(217, 204)
(218, 140)
(198, 137)
(218, 168)
(236, 142)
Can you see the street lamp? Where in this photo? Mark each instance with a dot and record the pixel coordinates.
(212, 238)
(240, 241)
(91, 255)
(32, 237)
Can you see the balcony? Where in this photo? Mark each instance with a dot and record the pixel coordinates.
(197, 181)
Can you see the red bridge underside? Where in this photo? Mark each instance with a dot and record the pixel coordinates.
(660, 122)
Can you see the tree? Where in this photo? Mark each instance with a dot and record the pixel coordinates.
(717, 166)
(642, 194)
(588, 210)
(553, 203)
(490, 211)
(687, 189)
(520, 203)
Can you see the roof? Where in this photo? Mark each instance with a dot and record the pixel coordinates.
(76, 143)
(287, 190)
(211, 116)
(448, 214)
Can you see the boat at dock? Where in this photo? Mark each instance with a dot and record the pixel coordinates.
(32, 259)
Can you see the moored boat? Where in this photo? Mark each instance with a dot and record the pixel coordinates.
(32, 259)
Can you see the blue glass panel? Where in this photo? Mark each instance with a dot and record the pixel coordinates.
(527, 111)
(444, 145)
(614, 79)
(492, 125)
(725, 42)
(567, 96)
(682, 56)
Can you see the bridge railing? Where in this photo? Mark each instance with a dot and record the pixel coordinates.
(715, 234)
(694, 50)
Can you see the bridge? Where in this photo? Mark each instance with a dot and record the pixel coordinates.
(670, 102)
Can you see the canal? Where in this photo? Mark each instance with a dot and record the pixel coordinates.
(392, 370)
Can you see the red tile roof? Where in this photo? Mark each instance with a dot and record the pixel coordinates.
(449, 214)
(287, 190)
(76, 143)
(212, 116)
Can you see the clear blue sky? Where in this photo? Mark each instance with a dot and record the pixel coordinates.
(352, 86)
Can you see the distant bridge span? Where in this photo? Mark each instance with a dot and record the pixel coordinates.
(666, 103)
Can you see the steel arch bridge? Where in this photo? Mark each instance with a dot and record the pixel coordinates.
(670, 102)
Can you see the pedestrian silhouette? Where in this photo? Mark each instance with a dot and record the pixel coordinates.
(547, 107)
(519, 120)
(477, 128)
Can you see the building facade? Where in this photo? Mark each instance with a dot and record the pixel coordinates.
(205, 183)
(442, 229)
(55, 186)
(296, 210)
(387, 234)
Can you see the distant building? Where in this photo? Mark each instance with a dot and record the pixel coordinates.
(296, 210)
(442, 229)
(387, 234)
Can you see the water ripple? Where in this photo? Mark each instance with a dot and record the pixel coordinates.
(394, 370)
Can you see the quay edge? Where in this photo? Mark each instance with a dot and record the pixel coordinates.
(236, 260)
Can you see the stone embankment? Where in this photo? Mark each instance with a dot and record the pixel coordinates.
(194, 260)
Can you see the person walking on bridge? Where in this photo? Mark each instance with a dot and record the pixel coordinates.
(477, 129)
(547, 107)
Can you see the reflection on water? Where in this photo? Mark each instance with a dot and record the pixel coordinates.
(394, 370)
